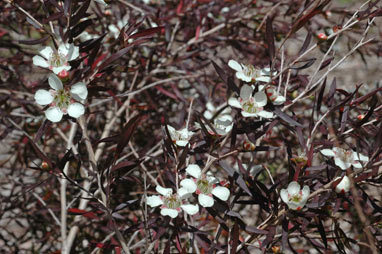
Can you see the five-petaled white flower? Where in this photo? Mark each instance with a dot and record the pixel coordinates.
(204, 186)
(180, 137)
(344, 185)
(60, 100)
(248, 73)
(171, 204)
(345, 158)
(294, 197)
(57, 60)
(251, 105)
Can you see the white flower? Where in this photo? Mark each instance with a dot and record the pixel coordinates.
(180, 137)
(345, 158)
(60, 100)
(204, 186)
(248, 73)
(116, 29)
(274, 96)
(344, 185)
(171, 204)
(212, 110)
(57, 61)
(294, 197)
(251, 105)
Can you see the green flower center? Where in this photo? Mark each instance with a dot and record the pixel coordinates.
(296, 198)
(250, 106)
(204, 186)
(56, 60)
(345, 155)
(250, 71)
(62, 99)
(172, 201)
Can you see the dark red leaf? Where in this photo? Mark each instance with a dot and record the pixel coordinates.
(270, 38)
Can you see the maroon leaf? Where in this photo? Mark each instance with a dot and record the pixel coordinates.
(270, 38)
(147, 32)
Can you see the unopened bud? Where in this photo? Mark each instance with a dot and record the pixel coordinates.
(360, 117)
(248, 145)
(63, 75)
(322, 36)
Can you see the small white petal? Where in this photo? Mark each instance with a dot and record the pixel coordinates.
(189, 185)
(279, 100)
(233, 102)
(63, 49)
(154, 201)
(55, 83)
(305, 193)
(185, 134)
(264, 79)
(293, 188)
(210, 106)
(59, 69)
(284, 195)
(208, 115)
(246, 92)
(243, 77)
(260, 99)
(328, 152)
(169, 212)
(205, 200)
(221, 192)
(295, 205)
(76, 110)
(54, 114)
(361, 157)
(343, 165)
(39, 61)
(343, 185)
(171, 129)
(356, 164)
(163, 191)
(46, 52)
(79, 89)
(194, 170)
(190, 209)
(265, 114)
(181, 143)
(43, 97)
(183, 193)
(235, 65)
(246, 114)
(73, 53)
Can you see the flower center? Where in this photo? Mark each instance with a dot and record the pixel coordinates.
(172, 201)
(250, 106)
(345, 155)
(57, 60)
(296, 198)
(204, 186)
(250, 71)
(62, 99)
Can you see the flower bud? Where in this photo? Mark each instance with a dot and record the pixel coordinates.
(322, 36)
(343, 186)
(63, 75)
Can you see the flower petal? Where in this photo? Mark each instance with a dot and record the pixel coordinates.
(55, 83)
(356, 164)
(293, 188)
(169, 212)
(279, 100)
(205, 200)
(243, 77)
(163, 191)
(190, 209)
(284, 195)
(46, 52)
(233, 102)
(189, 185)
(76, 110)
(235, 65)
(264, 79)
(210, 106)
(265, 114)
(208, 115)
(246, 114)
(181, 143)
(260, 99)
(154, 201)
(328, 152)
(343, 165)
(221, 192)
(74, 52)
(183, 193)
(343, 185)
(79, 90)
(54, 114)
(246, 92)
(305, 194)
(39, 61)
(361, 157)
(43, 97)
(194, 170)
